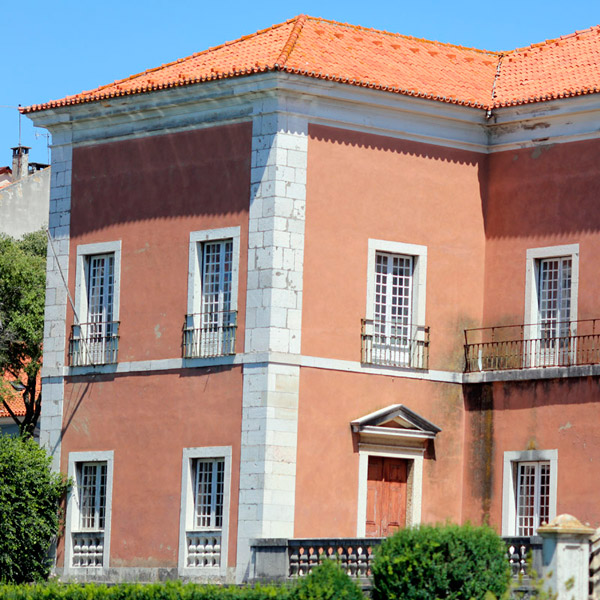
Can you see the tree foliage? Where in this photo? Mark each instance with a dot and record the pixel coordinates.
(456, 562)
(22, 293)
(29, 520)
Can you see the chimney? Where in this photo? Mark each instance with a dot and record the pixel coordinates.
(20, 162)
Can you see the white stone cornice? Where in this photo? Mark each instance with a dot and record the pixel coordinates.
(327, 103)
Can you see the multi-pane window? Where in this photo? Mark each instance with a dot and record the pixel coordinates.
(533, 496)
(554, 297)
(211, 329)
(88, 540)
(392, 314)
(92, 496)
(217, 263)
(95, 337)
(208, 493)
(206, 524)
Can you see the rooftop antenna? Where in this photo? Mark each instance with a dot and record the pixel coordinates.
(19, 108)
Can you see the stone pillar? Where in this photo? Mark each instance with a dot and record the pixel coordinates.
(273, 327)
(57, 272)
(566, 557)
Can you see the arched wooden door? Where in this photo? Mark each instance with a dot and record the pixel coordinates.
(386, 495)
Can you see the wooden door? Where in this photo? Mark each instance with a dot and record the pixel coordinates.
(386, 495)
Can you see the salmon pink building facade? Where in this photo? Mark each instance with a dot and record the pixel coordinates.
(322, 282)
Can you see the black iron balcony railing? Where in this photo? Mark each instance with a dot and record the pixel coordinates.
(212, 334)
(393, 344)
(94, 343)
(551, 344)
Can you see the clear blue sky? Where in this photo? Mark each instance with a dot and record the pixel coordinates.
(53, 49)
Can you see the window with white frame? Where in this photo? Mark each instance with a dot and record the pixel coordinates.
(212, 293)
(529, 494)
(551, 305)
(94, 339)
(89, 510)
(394, 331)
(206, 475)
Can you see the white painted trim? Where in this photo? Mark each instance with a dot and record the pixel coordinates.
(83, 252)
(194, 269)
(187, 507)
(413, 512)
(72, 516)
(511, 458)
(419, 254)
(532, 284)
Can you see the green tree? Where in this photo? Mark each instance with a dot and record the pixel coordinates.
(22, 293)
(29, 519)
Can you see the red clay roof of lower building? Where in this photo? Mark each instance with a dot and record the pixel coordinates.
(359, 56)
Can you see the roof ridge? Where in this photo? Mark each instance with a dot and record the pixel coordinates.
(289, 45)
(552, 41)
(194, 55)
(404, 36)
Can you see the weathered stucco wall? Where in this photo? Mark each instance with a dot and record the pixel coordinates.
(537, 197)
(327, 471)
(363, 186)
(24, 205)
(147, 419)
(561, 414)
(150, 193)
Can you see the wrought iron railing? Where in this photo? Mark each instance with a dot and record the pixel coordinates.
(556, 344)
(394, 344)
(94, 343)
(209, 334)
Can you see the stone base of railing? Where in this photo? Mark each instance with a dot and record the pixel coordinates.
(279, 559)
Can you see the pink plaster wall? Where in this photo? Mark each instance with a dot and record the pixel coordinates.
(540, 197)
(363, 186)
(560, 414)
(151, 193)
(327, 460)
(147, 420)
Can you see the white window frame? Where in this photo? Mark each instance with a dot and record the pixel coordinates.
(195, 297)
(532, 284)
(187, 515)
(414, 485)
(197, 239)
(510, 483)
(84, 253)
(418, 254)
(73, 510)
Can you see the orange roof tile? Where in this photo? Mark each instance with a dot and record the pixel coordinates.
(364, 57)
(15, 401)
(567, 66)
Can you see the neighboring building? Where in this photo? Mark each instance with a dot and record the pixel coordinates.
(24, 195)
(274, 249)
(17, 405)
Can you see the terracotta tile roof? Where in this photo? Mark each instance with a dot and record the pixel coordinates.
(364, 57)
(16, 400)
(567, 66)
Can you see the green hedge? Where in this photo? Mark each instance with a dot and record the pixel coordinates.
(136, 591)
(454, 562)
(326, 582)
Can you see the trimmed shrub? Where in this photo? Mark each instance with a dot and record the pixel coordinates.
(29, 520)
(327, 581)
(444, 561)
(135, 591)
